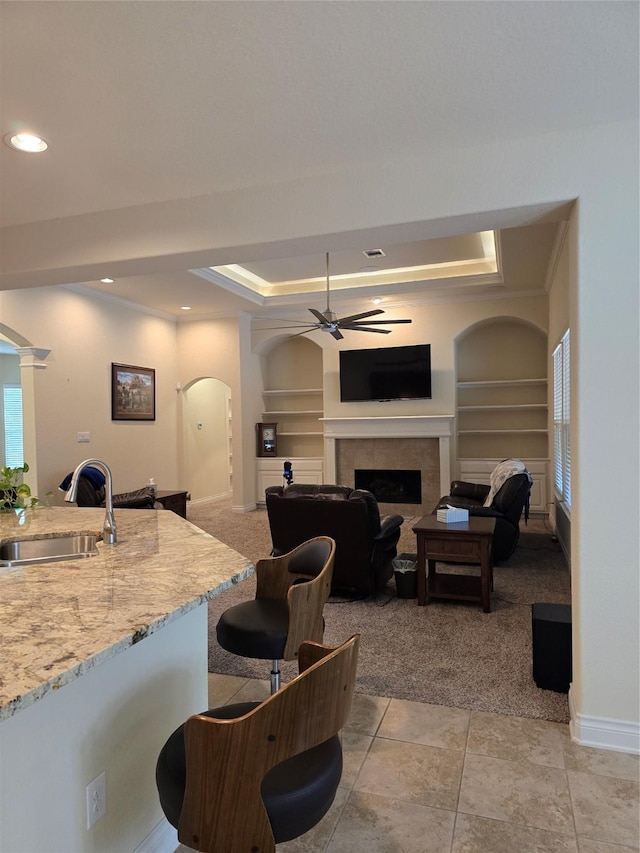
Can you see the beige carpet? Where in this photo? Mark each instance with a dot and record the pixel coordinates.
(446, 653)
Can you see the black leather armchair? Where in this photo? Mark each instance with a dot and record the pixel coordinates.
(90, 495)
(507, 507)
(365, 541)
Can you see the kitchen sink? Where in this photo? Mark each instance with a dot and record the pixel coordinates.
(50, 549)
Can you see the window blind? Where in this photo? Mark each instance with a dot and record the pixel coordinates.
(13, 446)
(562, 419)
(566, 419)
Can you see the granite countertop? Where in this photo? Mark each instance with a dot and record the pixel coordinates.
(59, 619)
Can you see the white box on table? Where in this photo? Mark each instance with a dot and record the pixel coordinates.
(452, 514)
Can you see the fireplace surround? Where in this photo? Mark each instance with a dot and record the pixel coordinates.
(411, 442)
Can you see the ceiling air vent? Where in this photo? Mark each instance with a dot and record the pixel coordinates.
(373, 253)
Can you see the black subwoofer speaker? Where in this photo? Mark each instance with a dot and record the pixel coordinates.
(551, 641)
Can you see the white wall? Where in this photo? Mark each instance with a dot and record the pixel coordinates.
(85, 336)
(562, 283)
(221, 349)
(115, 718)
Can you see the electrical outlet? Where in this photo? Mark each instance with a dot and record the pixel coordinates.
(96, 799)
(84, 436)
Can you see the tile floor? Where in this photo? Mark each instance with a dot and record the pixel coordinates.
(430, 779)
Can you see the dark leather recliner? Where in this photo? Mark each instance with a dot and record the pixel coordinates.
(365, 541)
(88, 495)
(507, 507)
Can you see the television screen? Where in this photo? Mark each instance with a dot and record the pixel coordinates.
(391, 373)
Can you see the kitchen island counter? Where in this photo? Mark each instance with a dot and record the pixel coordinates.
(59, 619)
(102, 657)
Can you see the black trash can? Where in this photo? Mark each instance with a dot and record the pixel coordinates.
(551, 641)
(406, 576)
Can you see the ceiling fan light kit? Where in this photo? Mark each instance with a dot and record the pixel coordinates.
(328, 321)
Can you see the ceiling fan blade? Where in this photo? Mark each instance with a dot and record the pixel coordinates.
(290, 321)
(335, 333)
(306, 327)
(357, 328)
(362, 316)
(373, 322)
(323, 320)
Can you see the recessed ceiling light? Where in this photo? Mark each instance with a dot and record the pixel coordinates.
(106, 280)
(186, 307)
(28, 142)
(377, 300)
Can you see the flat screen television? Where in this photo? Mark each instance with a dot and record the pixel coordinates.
(389, 373)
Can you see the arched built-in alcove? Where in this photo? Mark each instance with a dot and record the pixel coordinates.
(293, 397)
(292, 381)
(502, 400)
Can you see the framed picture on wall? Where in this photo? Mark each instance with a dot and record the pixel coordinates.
(133, 393)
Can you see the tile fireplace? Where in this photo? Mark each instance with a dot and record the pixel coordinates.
(413, 443)
(395, 486)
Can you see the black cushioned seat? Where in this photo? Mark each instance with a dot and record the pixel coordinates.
(365, 541)
(291, 591)
(248, 776)
(255, 629)
(510, 502)
(296, 793)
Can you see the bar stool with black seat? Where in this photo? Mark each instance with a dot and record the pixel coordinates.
(249, 776)
(291, 591)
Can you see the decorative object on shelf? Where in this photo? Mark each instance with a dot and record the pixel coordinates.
(133, 393)
(288, 473)
(330, 322)
(266, 440)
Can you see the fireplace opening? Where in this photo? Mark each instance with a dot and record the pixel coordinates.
(391, 486)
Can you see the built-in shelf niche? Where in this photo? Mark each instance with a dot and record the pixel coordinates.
(293, 397)
(502, 398)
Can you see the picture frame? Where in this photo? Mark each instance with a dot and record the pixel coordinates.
(133, 393)
(266, 440)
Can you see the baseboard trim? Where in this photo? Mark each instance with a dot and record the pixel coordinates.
(163, 838)
(604, 732)
(245, 508)
(211, 499)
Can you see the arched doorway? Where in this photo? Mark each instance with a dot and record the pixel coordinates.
(29, 359)
(11, 430)
(206, 435)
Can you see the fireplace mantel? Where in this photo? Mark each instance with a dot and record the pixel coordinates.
(411, 426)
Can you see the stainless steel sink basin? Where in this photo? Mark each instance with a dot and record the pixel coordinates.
(21, 552)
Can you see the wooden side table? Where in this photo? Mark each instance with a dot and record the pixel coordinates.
(175, 501)
(461, 542)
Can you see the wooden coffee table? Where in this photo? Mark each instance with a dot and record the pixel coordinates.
(461, 542)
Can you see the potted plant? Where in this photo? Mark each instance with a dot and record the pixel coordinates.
(13, 492)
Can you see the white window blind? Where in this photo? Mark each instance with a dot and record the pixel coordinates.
(562, 419)
(13, 447)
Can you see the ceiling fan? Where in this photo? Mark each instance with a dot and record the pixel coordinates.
(328, 321)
